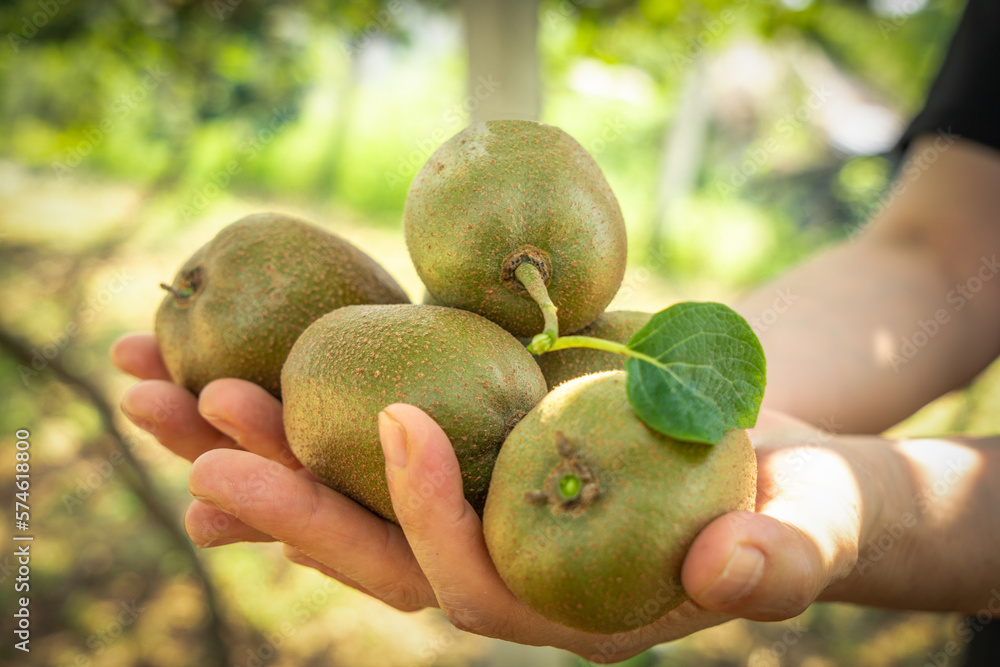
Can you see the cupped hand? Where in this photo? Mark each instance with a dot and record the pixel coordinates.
(814, 503)
(249, 487)
(435, 557)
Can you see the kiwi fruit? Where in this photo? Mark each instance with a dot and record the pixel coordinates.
(502, 194)
(590, 512)
(614, 325)
(237, 305)
(472, 377)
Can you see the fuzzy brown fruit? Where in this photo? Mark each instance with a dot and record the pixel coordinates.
(237, 305)
(590, 512)
(471, 376)
(502, 193)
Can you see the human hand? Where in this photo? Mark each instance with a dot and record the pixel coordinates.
(802, 540)
(190, 426)
(249, 487)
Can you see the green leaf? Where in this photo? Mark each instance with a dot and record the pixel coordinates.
(709, 376)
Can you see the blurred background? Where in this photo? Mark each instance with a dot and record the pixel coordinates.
(738, 136)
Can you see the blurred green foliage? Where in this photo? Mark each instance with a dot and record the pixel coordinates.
(339, 101)
(130, 131)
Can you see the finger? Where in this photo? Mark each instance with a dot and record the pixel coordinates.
(320, 522)
(753, 566)
(170, 413)
(209, 526)
(296, 556)
(250, 416)
(772, 564)
(139, 355)
(446, 534)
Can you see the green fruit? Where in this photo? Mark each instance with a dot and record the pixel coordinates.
(615, 325)
(590, 512)
(471, 376)
(502, 193)
(237, 305)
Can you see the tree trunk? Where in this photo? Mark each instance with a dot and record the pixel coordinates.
(503, 81)
(681, 151)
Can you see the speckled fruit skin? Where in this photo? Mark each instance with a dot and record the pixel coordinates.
(471, 376)
(615, 566)
(496, 187)
(615, 325)
(265, 278)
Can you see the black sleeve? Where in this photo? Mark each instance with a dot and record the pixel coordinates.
(965, 97)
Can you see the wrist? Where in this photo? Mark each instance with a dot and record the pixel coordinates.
(883, 495)
(928, 540)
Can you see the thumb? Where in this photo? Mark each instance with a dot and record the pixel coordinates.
(444, 532)
(754, 566)
(421, 469)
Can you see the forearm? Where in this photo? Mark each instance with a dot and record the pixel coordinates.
(872, 329)
(930, 538)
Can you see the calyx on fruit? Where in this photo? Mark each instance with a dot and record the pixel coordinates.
(591, 513)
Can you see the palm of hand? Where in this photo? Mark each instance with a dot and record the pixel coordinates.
(248, 486)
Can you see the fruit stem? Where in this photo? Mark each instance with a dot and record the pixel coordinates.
(178, 293)
(531, 278)
(566, 342)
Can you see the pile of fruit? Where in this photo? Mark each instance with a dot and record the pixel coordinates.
(593, 464)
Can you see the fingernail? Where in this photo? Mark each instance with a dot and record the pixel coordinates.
(741, 574)
(221, 542)
(393, 437)
(147, 425)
